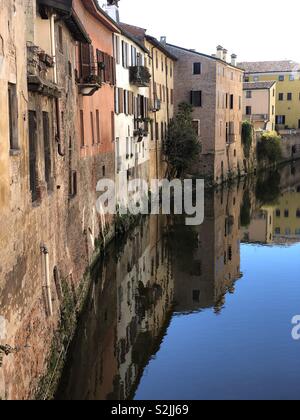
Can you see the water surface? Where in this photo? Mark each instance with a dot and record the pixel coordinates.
(181, 313)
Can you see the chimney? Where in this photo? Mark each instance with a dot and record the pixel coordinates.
(112, 9)
(163, 40)
(225, 52)
(219, 52)
(233, 60)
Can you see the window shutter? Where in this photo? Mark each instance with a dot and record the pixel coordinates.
(85, 60)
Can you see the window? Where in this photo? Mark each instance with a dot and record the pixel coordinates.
(196, 296)
(60, 39)
(291, 77)
(32, 155)
(280, 119)
(196, 125)
(248, 110)
(256, 78)
(92, 128)
(82, 140)
(196, 98)
(240, 102)
(278, 213)
(13, 117)
(197, 68)
(249, 94)
(98, 126)
(286, 213)
(231, 101)
(289, 96)
(281, 96)
(281, 78)
(47, 149)
(117, 49)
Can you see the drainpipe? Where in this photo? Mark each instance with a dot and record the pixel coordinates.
(53, 47)
(45, 252)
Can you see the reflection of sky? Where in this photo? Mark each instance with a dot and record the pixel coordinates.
(246, 352)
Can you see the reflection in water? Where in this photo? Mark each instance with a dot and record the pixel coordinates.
(167, 269)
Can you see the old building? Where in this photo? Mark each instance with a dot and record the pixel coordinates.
(214, 87)
(96, 78)
(131, 113)
(161, 65)
(259, 104)
(287, 76)
(38, 246)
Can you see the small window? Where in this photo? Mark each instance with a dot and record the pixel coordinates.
(281, 96)
(248, 110)
(249, 94)
(82, 139)
(13, 117)
(281, 78)
(197, 68)
(60, 39)
(289, 96)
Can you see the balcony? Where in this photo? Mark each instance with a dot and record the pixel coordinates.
(40, 72)
(90, 84)
(155, 105)
(257, 117)
(140, 133)
(139, 76)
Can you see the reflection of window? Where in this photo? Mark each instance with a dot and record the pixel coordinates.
(277, 231)
(286, 213)
(196, 296)
(278, 213)
(196, 269)
(297, 232)
(298, 213)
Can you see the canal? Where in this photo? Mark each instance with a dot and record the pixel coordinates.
(179, 312)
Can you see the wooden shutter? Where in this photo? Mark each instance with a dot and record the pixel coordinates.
(85, 60)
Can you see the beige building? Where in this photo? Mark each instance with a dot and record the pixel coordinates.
(259, 104)
(161, 66)
(214, 87)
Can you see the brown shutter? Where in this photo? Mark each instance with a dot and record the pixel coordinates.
(85, 61)
(121, 100)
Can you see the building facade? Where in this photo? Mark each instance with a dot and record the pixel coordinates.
(214, 88)
(131, 113)
(161, 66)
(287, 76)
(259, 104)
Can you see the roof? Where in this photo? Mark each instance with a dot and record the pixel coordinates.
(287, 66)
(258, 85)
(93, 7)
(211, 57)
(124, 29)
(161, 47)
(65, 8)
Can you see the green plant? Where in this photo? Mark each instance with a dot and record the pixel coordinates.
(182, 146)
(247, 137)
(269, 148)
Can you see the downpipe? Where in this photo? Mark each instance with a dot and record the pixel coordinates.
(47, 287)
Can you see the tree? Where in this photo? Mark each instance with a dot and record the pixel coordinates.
(247, 137)
(182, 147)
(269, 148)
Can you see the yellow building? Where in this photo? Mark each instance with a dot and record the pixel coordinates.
(287, 76)
(259, 104)
(161, 66)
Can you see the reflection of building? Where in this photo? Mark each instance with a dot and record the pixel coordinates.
(287, 217)
(260, 229)
(128, 310)
(259, 102)
(208, 261)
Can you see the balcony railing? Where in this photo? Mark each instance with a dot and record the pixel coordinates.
(155, 105)
(140, 76)
(257, 117)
